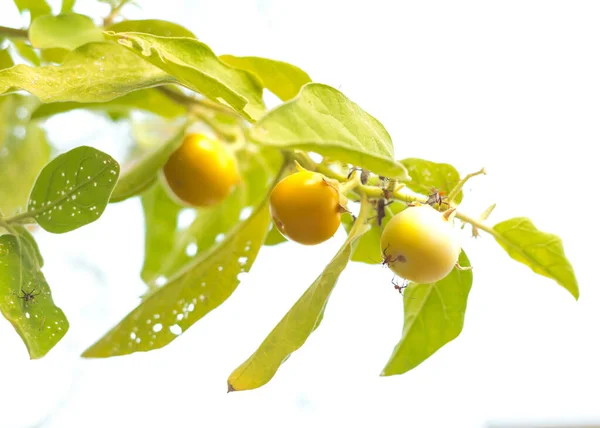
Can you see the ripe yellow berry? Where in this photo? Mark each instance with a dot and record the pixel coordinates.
(419, 244)
(305, 208)
(202, 171)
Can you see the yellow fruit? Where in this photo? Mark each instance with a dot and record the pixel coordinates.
(305, 208)
(202, 171)
(420, 244)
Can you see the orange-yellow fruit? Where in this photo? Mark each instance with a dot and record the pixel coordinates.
(202, 171)
(420, 244)
(305, 208)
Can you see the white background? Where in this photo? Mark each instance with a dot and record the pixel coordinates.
(513, 86)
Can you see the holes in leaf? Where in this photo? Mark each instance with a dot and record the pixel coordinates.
(245, 213)
(315, 157)
(220, 238)
(157, 327)
(192, 249)
(175, 329)
(160, 281)
(185, 218)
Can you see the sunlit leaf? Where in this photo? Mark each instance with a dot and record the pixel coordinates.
(5, 59)
(433, 316)
(67, 6)
(281, 78)
(35, 317)
(54, 55)
(542, 252)
(141, 174)
(195, 66)
(155, 27)
(205, 283)
(27, 53)
(322, 120)
(73, 190)
(426, 174)
(35, 7)
(300, 321)
(274, 237)
(24, 151)
(67, 31)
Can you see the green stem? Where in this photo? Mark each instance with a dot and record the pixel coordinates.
(454, 192)
(114, 13)
(15, 33)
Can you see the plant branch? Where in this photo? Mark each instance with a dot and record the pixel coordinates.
(454, 192)
(114, 13)
(16, 33)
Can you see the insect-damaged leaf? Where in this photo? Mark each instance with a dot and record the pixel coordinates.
(202, 286)
(433, 316)
(73, 190)
(426, 174)
(25, 297)
(542, 252)
(322, 120)
(300, 321)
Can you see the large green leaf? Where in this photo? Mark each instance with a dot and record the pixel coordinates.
(322, 120)
(205, 283)
(195, 66)
(300, 321)
(155, 27)
(73, 190)
(150, 100)
(433, 316)
(95, 72)
(141, 174)
(24, 151)
(283, 79)
(35, 7)
(39, 322)
(542, 252)
(426, 174)
(66, 31)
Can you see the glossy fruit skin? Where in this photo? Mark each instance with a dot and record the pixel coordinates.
(420, 244)
(305, 208)
(201, 172)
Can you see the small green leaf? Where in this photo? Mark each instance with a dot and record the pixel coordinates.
(322, 120)
(197, 290)
(433, 316)
(300, 321)
(5, 59)
(426, 174)
(141, 174)
(67, 6)
(150, 100)
(73, 190)
(274, 237)
(542, 252)
(283, 79)
(24, 151)
(67, 31)
(27, 53)
(156, 27)
(195, 66)
(95, 72)
(39, 322)
(35, 7)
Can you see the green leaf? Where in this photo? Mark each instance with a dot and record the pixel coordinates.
(141, 174)
(542, 252)
(300, 321)
(39, 322)
(205, 283)
(283, 79)
(195, 66)
(150, 100)
(24, 151)
(322, 120)
(94, 72)
(426, 174)
(73, 190)
(155, 27)
(67, 6)
(5, 59)
(26, 52)
(274, 237)
(54, 55)
(67, 31)
(433, 316)
(35, 7)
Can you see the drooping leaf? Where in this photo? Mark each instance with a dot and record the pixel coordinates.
(150, 100)
(197, 290)
(73, 190)
(195, 66)
(27, 53)
(155, 27)
(433, 316)
(426, 174)
(542, 252)
(300, 321)
(66, 31)
(274, 237)
(141, 174)
(67, 6)
(95, 72)
(283, 79)
(35, 7)
(34, 249)
(39, 322)
(5, 58)
(322, 120)
(24, 151)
